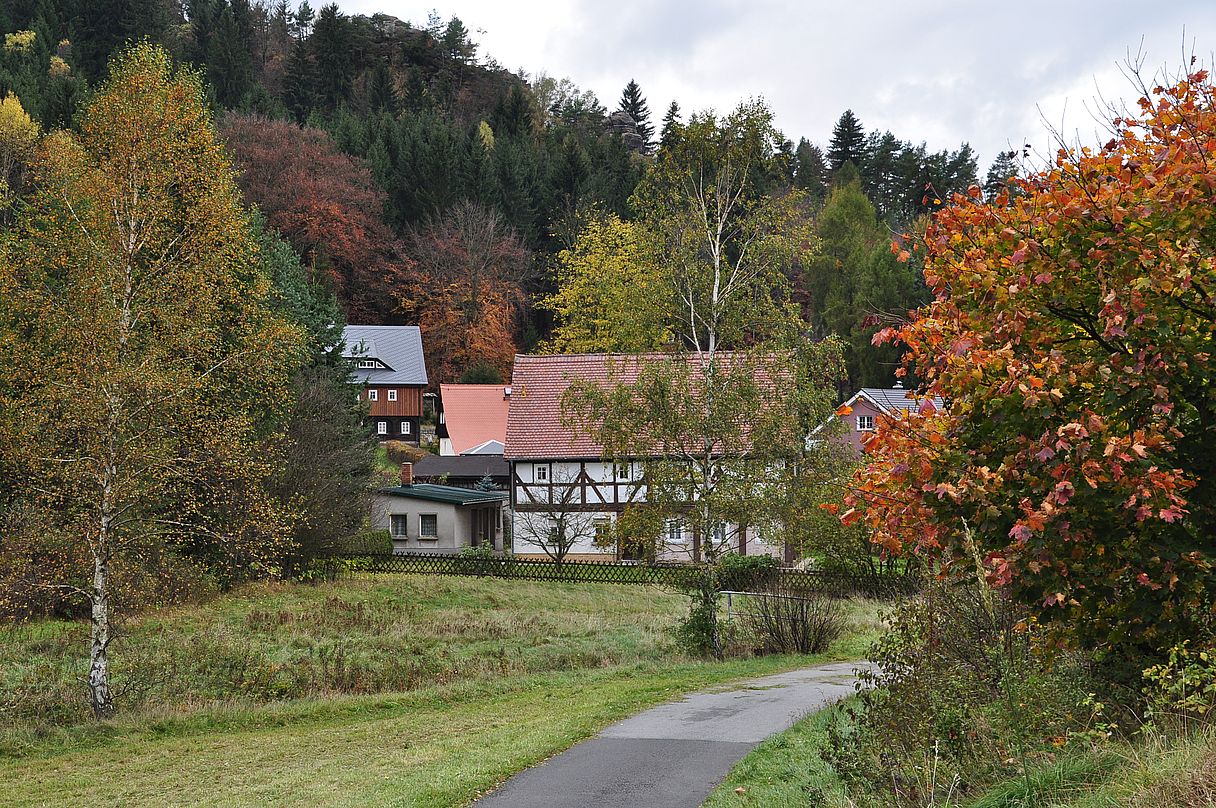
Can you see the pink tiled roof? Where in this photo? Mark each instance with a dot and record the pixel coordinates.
(474, 414)
(535, 426)
(534, 421)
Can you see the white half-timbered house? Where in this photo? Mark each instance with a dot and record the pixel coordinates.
(560, 475)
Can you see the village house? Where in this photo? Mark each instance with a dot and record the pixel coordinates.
(389, 363)
(862, 410)
(557, 470)
(429, 518)
(472, 418)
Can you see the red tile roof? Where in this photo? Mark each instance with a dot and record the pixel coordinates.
(474, 414)
(534, 422)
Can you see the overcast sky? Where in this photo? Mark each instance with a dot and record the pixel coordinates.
(940, 71)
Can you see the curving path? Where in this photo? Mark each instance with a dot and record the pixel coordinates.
(674, 755)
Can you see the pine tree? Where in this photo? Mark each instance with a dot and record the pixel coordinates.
(302, 20)
(633, 104)
(848, 143)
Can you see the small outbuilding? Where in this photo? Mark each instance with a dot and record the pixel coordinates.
(429, 518)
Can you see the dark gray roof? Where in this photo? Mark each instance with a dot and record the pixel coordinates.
(397, 347)
(445, 493)
(462, 466)
(893, 399)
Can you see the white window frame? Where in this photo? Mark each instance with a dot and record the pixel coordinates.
(365, 364)
(392, 395)
(428, 536)
(372, 395)
(540, 472)
(382, 427)
(405, 428)
(675, 531)
(623, 471)
(862, 420)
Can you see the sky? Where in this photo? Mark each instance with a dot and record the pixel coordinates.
(994, 74)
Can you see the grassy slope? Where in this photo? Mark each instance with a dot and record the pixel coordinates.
(521, 670)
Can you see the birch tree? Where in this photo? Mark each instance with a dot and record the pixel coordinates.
(734, 400)
(146, 372)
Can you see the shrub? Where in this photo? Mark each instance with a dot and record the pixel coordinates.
(964, 692)
(368, 542)
(1184, 686)
(398, 452)
(787, 624)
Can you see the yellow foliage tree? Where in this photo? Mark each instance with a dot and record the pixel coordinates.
(613, 295)
(146, 374)
(18, 137)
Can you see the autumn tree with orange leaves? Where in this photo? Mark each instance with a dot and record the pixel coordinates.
(328, 206)
(466, 291)
(1072, 336)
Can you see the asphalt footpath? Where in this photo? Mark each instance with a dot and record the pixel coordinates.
(674, 755)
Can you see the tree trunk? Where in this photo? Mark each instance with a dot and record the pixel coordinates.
(99, 642)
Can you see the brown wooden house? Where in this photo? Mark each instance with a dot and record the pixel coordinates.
(388, 361)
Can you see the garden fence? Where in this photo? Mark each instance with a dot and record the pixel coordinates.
(777, 579)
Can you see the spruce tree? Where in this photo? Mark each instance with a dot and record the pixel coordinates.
(670, 121)
(332, 43)
(848, 143)
(633, 104)
(810, 169)
(1003, 169)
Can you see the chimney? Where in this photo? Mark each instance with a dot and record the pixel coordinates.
(407, 473)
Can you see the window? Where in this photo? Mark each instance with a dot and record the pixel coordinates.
(382, 427)
(428, 526)
(399, 524)
(541, 473)
(367, 363)
(865, 423)
(392, 395)
(371, 395)
(603, 532)
(441, 418)
(405, 427)
(719, 534)
(622, 471)
(675, 532)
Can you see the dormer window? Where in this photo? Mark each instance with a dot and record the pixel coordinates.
(367, 364)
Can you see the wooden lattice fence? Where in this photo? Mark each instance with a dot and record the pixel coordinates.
(779, 579)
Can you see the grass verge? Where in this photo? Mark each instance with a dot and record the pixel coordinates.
(436, 747)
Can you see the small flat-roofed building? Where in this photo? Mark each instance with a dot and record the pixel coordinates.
(430, 518)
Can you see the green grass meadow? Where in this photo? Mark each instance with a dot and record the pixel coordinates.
(386, 690)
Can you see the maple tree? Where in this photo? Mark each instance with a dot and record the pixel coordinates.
(145, 369)
(327, 205)
(1072, 334)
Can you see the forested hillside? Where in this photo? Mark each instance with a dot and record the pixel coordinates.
(421, 182)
